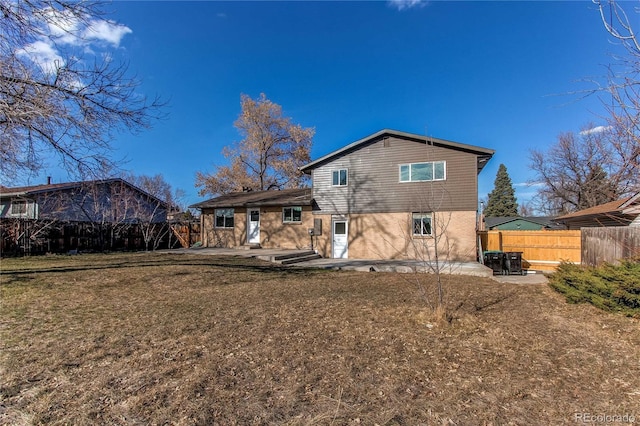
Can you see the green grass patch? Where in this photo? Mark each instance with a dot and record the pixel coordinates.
(613, 288)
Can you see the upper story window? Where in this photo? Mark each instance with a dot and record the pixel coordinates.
(423, 172)
(292, 214)
(18, 208)
(224, 218)
(340, 177)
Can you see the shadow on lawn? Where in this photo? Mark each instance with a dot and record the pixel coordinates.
(233, 262)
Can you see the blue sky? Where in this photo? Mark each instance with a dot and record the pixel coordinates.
(501, 75)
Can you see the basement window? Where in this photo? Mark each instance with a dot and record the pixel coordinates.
(421, 224)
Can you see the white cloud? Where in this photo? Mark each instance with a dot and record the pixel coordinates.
(62, 28)
(65, 28)
(107, 31)
(61, 25)
(47, 58)
(528, 184)
(43, 54)
(597, 129)
(406, 4)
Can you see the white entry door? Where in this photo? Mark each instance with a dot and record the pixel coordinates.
(253, 236)
(340, 239)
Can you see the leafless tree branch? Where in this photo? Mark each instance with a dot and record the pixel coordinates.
(65, 105)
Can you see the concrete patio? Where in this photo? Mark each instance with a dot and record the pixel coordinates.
(370, 265)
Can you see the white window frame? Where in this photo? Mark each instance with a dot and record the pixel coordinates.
(226, 216)
(338, 172)
(433, 171)
(421, 217)
(19, 208)
(291, 217)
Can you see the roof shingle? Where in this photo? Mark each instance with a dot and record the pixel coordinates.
(296, 196)
(610, 207)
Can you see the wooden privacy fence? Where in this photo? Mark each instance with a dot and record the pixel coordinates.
(20, 237)
(541, 250)
(609, 244)
(28, 236)
(187, 233)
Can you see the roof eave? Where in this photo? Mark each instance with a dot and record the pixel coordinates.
(207, 205)
(300, 196)
(13, 194)
(630, 202)
(43, 189)
(591, 216)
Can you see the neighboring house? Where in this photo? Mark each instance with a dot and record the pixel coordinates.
(269, 219)
(517, 223)
(625, 212)
(389, 195)
(78, 215)
(105, 201)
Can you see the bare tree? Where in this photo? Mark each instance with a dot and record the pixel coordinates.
(158, 187)
(96, 205)
(526, 209)
(153, 230)
(429, 241)
(601, 163)
(426, 238)
(151, 219)
(582, 171)
(427, 249)
(150, 212)
(269, 156)
(622, 88)
(54, 97)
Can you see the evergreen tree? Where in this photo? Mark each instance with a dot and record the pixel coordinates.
(502, 200)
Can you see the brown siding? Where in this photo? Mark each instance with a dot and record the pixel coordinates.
(374, 180)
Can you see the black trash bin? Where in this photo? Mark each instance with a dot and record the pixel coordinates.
(495, 261)
(513, 263)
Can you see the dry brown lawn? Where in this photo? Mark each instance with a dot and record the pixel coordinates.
(182, 339)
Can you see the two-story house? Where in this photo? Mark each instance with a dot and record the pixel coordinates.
(389, 195)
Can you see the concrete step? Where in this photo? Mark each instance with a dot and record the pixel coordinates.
(292, 255)
(248, 247)
(299, 259)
